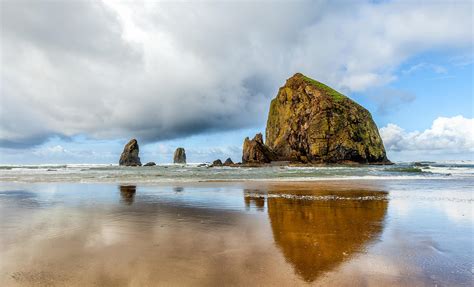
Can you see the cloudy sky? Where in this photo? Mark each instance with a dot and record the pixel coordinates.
(80, 78)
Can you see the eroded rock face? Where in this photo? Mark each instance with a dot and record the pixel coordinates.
(179, 155)
(255, 151)
(129, 155)
(310, 122)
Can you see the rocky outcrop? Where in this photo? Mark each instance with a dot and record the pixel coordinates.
(228, 162)
(179, 156)
(312, 123)
(217, 162)
(255, 151)
(129, 155)
(149, 164)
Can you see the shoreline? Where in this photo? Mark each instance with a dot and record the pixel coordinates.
(179, 174)
(245, 181)
(249, 232)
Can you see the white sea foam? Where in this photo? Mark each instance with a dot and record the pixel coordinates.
(452, 170)
(194, 173)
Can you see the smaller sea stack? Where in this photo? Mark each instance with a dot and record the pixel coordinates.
(129, 155)
(179, 156)
(255, 151)
(228, 162)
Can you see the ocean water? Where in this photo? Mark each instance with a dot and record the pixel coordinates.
(90, 173)
(99, 225)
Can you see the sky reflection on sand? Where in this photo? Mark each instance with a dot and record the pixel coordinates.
(240, 233)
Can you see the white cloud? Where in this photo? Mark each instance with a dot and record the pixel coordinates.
(452, 135)
(438, 69)
(160, 70)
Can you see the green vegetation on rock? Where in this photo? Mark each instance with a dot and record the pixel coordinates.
(328, 90)
(311, 122)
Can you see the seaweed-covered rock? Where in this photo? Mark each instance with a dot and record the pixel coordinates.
(310, 122)
(151, 163)
(255, 151)
(129, 155)
(179, 155)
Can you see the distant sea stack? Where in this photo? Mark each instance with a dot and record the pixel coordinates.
(179, 156)
(129, 155)
(309, 122)
(228, 162)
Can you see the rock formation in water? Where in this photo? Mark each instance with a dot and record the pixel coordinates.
(129, 155)
(151, 163)
(310, 122)
(255, 151)
(228, 162)
(179, 155)
(217, 162)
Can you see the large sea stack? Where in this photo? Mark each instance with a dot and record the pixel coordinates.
(129, 155)
(311, 122)
(179, 156)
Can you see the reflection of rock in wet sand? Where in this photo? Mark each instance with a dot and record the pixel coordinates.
(317, 235)
(178, 189)
(257, 202)
(127, 192)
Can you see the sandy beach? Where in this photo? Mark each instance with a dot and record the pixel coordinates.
(236, 143)
(366, 233)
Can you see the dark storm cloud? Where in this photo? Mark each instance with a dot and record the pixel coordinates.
(71, 27)
(25, 142)
(54, 56)
(162, 70)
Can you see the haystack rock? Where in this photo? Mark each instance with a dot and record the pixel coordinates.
(129, 155)
(179, 155)
(255, 151)
(311, 122)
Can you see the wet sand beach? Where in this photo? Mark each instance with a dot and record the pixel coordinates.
(346, 233)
